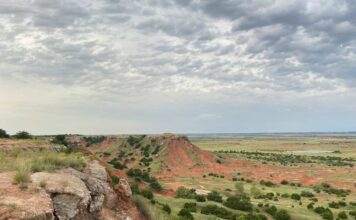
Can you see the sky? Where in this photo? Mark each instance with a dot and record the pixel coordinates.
(185, 66)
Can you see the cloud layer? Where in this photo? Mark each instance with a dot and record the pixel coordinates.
(138, 59)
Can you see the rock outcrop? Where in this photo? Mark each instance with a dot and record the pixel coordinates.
(64, 195)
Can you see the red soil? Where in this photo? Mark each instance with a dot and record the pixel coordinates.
(183, 159)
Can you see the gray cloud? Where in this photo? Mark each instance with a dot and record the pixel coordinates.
(211, 49)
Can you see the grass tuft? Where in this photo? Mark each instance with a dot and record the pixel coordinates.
(22, 176)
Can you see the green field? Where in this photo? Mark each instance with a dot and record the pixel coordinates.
(279, 144)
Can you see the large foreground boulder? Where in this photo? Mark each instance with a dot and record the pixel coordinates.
(66, 194)
(69, 194)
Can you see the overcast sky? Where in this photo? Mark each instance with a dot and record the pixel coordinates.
(151, 66)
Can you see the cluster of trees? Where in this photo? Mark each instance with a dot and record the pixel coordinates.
(91, 140)
(18, 135)
(325, 213)
(239, 201)
(325, 187)
(133, 140)
(278, 214)
(3, 134)
(60, 139)
(116, 164)
(185, 193)
(336, 205)
(144, 176)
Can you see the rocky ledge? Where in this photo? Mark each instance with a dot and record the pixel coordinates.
(64, 195)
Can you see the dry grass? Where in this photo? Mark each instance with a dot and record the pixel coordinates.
(22, 176)
(39, 161)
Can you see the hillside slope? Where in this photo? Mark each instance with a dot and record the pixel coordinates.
(162, 155)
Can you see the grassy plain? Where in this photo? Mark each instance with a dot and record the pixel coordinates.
(275, 143)
(344, 146)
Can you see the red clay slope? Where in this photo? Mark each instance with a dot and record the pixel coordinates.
(182, 158)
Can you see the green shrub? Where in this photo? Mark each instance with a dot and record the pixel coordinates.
(3, 134)
(325, 213)
(284, 182)
(134, 188)
(147, 193)
(241, 202)
(267, 183)
(217, 211)
(295, 196)
(91, 140)
(185, 214)
(155, 185)
(337, 205)
(200, 198)
(166, 208)
(282, 215)
(191, 206)
(114, 180)
(325, 187)
(342, 215)
(271, 210)
(185, 193)
(310, 205)
(307, 194)
(214, 196)
(352, 213)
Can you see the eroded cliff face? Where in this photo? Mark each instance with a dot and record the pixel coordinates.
(66, 194)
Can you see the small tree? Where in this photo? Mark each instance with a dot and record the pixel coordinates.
(60, 139)
(147, 193)
(295, 196)
(3, 134)
(23, 135)
(166, 208)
